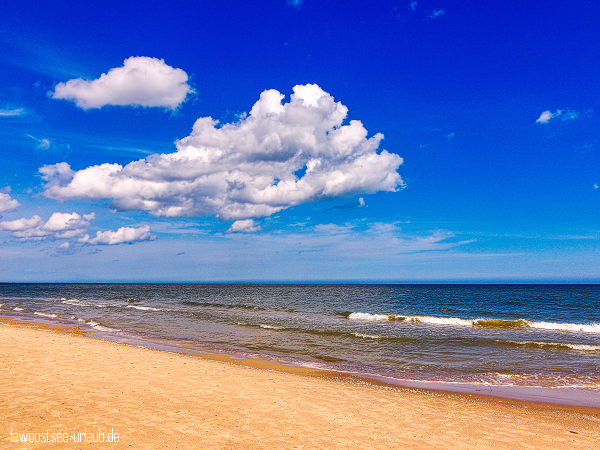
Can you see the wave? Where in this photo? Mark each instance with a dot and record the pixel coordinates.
(368, 336)
(16, 308)
(551, 345)
(270, 327)
(478, 323)
(221, 305)
(97, 325)
(234, 306)
(334, 333)
(144, 308)
(53, 316)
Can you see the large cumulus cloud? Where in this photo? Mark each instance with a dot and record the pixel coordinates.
(277, 156)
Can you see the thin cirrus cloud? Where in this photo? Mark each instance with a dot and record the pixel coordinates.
(71, 227)
(12, 112)
(141, 81)
(563, 114)
(277, 156)
(436, 14)
(7, 203)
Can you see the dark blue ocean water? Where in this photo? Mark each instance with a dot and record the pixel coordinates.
(513, 335)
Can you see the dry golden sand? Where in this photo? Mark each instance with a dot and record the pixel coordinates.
(56, 381)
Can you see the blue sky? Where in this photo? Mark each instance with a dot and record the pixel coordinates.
(488, 169)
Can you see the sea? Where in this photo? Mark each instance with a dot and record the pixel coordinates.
(531, 341)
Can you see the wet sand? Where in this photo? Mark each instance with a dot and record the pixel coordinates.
(60, 380)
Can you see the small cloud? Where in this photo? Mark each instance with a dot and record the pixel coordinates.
(123, 235)
(41, 144)
(451, 135)
(7, 203)
(294, 3)
(595, 186)
(14, 112)
(413, 5)
(140, 81)
(244, 226)
(436, 14)
(58, 226)
(354, 204)
(564, 114)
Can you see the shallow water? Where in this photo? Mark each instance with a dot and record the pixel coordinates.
(545, 336)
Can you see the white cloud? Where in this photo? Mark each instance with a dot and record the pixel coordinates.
(71, 226)
(413, 5)
(41, 144)
(141, 81)
(68, 221)
(295, 3)
(347, 242)
(436, 13)
(121, 236)
(277, 156)
(59, 226)
(7, 203)
(21, 224)
(564, 114)
(595, 186)
(244, 226)
(12, 112)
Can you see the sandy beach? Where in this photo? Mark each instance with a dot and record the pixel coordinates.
(61, 381)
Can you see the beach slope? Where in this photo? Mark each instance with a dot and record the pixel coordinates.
(56, 381)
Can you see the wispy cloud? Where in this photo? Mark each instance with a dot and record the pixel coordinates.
(295, 3)
(12, 112)
(563, 114)
(40, 143)
(413, 5)
(436, 14)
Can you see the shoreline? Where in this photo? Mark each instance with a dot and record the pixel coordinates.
(571, 398)
(55, 379)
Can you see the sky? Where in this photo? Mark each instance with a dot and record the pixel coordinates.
(392, 141)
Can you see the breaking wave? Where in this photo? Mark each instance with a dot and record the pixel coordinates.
(144, 308)
(550, 345)
(479, 323)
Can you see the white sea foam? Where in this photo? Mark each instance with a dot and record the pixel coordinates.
(557, 345)
(367, 336)
(270, 327)
(577, 327)
(96, 325)
(480, 322)
(368, 316)
(16, 308)
(37, 313)
(144, 308)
